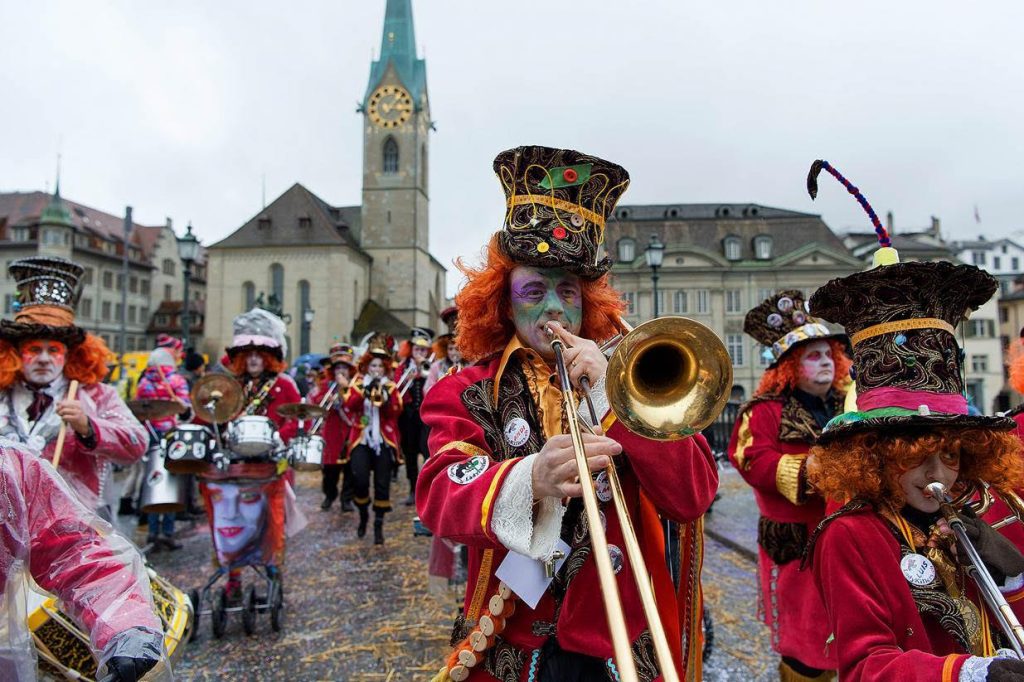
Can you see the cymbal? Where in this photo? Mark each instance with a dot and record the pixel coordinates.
(147, 409)
(223, 391)
(301, 411)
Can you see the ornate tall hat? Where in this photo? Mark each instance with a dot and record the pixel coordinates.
(258, 329)
(421, 336)
(781, 323)
(902, 319)
(557, 202)
(48, 291)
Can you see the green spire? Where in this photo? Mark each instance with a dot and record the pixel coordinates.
(398, 48)
(56, 212)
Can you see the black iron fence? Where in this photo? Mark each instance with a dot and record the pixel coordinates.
(720, 430)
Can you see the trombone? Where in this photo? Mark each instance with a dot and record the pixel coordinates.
(666, 380)
(979, 573)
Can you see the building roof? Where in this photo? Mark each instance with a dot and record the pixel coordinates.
(705, 226)
(297, 217)
(398, 48)
(375, 318)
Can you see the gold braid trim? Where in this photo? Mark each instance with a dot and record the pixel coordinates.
(901, 326)
(788, 478)
(560, 204)
(743, 440)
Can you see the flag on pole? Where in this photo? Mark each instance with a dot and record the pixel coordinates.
(977, 216)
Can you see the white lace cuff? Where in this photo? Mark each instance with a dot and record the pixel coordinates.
(1012, 584)
(517, 524)
(600, 399)
(975, 669)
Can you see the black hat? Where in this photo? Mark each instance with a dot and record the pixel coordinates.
(48, 291)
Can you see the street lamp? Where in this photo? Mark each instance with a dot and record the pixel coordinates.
(188, 250)
(655, 253)
(307, 322)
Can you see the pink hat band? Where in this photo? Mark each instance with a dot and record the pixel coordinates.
(877, 398)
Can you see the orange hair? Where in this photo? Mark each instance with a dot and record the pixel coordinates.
(270, 364)
(785, 376)
(1016, 364)
(485, 308)
(868, 465)
(86, 363)
(364, 364)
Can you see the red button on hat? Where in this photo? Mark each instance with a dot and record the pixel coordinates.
(570, 175)
(558, 232)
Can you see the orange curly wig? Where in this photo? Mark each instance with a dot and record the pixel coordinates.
(364, 365)
(485, 310)
(86, 363)
(1015, 362)
(868, 465)
(270, 364)
(785, 376)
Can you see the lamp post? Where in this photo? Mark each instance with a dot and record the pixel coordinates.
(188, 249)
(307, 322)
(654, 254)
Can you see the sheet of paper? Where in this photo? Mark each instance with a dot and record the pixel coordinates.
(526, 576)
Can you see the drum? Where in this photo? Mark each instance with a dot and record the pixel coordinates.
(251, 436)
(63, 647)
(187, 448)
(162, 491)
(306, 453)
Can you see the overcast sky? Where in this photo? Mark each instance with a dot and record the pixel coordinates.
(178, 109)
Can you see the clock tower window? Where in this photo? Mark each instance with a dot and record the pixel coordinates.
(390, 155)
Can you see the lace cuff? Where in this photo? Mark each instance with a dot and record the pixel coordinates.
(1012, 583)
(600, 399)
(529, 528)
(975, 669)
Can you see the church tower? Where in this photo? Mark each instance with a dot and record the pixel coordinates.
(405, 278)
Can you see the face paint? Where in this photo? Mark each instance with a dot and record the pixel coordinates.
(943, 467)
(542, 295)
(376, 367)
(817, 369)
(42, 360)
(254, 363)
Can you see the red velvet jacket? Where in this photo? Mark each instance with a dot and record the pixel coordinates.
(335, 429)
(389, 411)
(879, 632)
(677, 478)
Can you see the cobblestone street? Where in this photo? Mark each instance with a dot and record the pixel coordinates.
(359, 612)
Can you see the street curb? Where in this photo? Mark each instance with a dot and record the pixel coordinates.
(729, 543)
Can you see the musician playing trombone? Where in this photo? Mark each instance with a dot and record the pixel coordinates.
(339, 370)
(898, 598)
(501, 477)
(411, 376)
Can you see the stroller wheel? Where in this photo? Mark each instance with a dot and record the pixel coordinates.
(218, 616)
(249, 611)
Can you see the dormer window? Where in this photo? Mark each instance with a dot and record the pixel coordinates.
(627, 250)
(264, 223)
(762, 247)
(305, 222)
(732, 247)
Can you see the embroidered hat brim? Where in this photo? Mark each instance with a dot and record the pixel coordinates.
(17, 332)
(897, 419)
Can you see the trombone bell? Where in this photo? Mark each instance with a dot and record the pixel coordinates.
(668, 378)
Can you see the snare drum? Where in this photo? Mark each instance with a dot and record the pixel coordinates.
(187, 449)
(162, 491)
(306, 453)
(251, 436)
(64, 650)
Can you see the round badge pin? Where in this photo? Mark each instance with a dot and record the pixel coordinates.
(517, 432)
(615, 554)
(918, 570)
(603, 487)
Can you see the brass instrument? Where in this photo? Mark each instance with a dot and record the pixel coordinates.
(329, 402)
(979, 573)
(986, 494)
(405, 381)
(667, 379)
(378, 389)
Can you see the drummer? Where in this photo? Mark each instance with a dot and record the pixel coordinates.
(256, 359)
(338, 373)
(41, 352)
(161, 381)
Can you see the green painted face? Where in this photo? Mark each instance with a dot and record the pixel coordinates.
(542, 295)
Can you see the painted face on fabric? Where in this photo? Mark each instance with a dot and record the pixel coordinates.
(42, 360)
(237, 515)
(542, 295)
(254, 363)
(942, 467)
(817, 368)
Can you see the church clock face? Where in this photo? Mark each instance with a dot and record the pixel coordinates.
(390, 106)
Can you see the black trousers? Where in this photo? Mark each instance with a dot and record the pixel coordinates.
(563, 666)
(348, 491)
(414, 443)
(329, 484)
(367, 463)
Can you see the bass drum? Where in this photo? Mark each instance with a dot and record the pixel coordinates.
(162, 491)
(63, 647)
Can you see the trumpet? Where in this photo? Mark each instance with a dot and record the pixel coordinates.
(378, 389)
(979, 573)
(666, 380)
(405, 381)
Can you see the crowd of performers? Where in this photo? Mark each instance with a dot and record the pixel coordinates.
(856, 434)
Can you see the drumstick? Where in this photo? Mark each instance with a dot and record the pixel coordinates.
(72, 390)
(163, 377)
